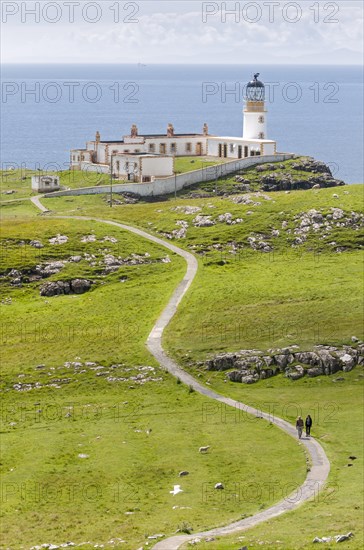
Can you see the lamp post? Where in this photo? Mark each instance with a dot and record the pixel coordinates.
(111, 163)
(175, 176)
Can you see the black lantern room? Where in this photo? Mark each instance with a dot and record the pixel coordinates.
(255, 90)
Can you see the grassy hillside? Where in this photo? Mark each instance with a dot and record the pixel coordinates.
(93, 432)
(338, 421)
(303, 292)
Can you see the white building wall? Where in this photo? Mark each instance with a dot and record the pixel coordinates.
(269, 148)
(232, 147)
(157, 166)
(255, 124)
(45, 184)
(99, 168)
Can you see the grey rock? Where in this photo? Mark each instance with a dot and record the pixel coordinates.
(343, 538)
(266, 373)
(183, 473)
(235, 376)
(314, 371)
(80, 286)
(281, 361)
(268, 360)
(296, 372)
(75, 259)
(251, 379)
(36, 244)
(219, 486)
(308, 358)
(57, 288)
(222, 361)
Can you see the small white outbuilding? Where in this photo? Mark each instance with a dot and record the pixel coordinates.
(45, 184)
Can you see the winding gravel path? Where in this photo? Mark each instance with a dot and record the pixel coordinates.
(320, 465)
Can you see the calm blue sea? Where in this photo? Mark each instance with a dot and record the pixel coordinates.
(48, 110)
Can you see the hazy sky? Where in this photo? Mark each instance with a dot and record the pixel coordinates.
(187, 31)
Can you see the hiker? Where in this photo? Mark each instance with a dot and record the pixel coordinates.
(308, 424)
(299, 426)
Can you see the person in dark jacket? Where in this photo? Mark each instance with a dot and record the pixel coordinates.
(299, 426)
(308, 424)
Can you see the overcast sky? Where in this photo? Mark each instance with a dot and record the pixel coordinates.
(188, 31)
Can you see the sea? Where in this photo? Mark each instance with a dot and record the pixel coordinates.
(47, 110)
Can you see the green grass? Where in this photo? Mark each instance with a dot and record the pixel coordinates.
(337, 412)
(52, 495)
(187, 164)
(20, 181)
(304, 295)
(127, 309)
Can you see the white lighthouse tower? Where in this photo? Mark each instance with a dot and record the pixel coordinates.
(255, 114)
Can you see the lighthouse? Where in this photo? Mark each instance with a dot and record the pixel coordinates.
(255, 114)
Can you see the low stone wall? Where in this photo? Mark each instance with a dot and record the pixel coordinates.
(166, 186)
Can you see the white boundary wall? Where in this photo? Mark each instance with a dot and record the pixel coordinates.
(166, 186)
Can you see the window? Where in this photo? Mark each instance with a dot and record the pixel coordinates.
(231, 147)
(137, 150)
(126, 150)
(162, 148)
(261, 135)
(173, 147)
(126, 166)
(188, 147)
(261, 119)
(151, 147)
(118, 165)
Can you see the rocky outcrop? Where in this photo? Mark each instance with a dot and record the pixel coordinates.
(286, 182)
(57, 288)
(311, 165)
(249, 366)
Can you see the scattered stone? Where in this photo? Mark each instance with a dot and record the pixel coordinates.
(81, 455)
(36, 244)
(57, 288)
(110, 239)
(75, 259)
(186, 209)
(88, 239)
(336, 538)
(219, 486)
(203, 221)
(183, 473)
(59, 239)
(343, 538)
